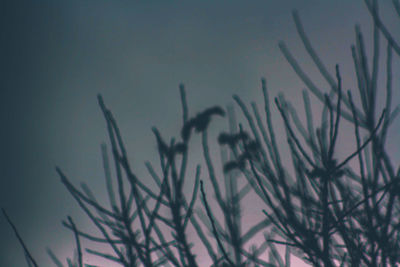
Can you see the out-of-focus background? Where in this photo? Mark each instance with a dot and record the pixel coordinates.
(56, 56)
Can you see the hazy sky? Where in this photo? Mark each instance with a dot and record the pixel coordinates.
(56, 56)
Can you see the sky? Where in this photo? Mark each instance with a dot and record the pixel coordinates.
(56, 56)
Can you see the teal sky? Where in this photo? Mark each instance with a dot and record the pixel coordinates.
(56, 56)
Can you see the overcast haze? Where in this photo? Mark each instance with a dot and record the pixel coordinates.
(56, 56)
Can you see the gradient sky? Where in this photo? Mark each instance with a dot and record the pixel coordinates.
(56, 56)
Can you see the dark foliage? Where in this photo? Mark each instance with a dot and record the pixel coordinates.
(322, 210)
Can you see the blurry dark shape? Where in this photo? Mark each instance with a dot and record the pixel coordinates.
(186, 130)
(213, 111)
(232, 139)
(169, 151)
(253, 146)
(231, 165)
(200, 121)
(180, 148)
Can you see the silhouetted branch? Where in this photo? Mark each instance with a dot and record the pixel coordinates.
(30, 259)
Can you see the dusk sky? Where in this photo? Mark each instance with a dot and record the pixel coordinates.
(56, 56)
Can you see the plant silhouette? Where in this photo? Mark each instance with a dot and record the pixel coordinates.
(326, 211)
